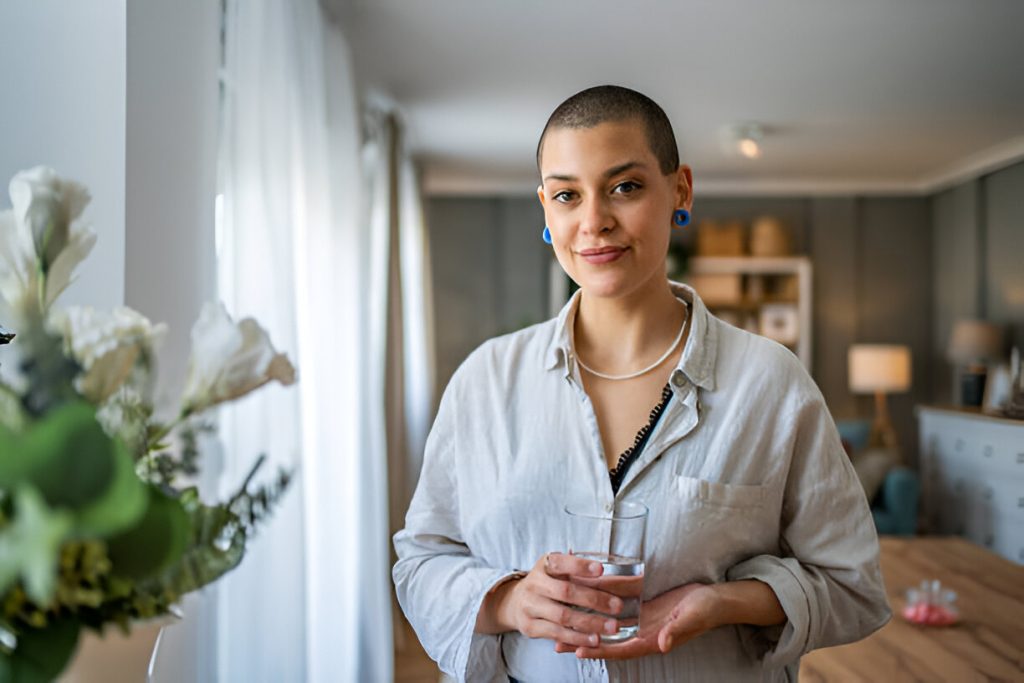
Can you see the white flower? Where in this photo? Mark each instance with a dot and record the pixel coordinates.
(107, 345)
(229, 360)
(41, 236)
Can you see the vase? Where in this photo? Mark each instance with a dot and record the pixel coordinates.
(115, 657)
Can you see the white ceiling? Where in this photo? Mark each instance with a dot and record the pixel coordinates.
(856, 95)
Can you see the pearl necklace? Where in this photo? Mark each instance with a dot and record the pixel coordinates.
(682, 328)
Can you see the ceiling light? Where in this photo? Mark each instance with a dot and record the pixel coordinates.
(744, 139)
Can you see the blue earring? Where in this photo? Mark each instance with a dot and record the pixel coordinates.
(546, 235)
(681, 218)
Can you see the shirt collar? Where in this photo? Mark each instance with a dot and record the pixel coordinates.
(697, 361)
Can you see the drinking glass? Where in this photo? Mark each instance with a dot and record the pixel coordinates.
(615, 538)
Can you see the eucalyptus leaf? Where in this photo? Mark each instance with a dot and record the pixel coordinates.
(217, 547)
(156, 542)
(121, 505)
(41, 654)
(66, 456)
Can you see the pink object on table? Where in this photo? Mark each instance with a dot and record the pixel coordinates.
(931, 605)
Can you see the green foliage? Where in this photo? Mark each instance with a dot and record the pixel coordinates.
(156, 542)
(30, 543)
(95, 528)
(42, 653)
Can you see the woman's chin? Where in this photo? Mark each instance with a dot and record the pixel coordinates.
(611, 284)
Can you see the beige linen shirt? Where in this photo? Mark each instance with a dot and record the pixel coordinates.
(744, 476)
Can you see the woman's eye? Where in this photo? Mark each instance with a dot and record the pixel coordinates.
(626, 187)
(564, 196)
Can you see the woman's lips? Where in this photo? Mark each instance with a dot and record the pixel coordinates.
(602, 255)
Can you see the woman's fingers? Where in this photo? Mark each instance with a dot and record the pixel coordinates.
(541, 628)
(560, 564)
(566, 616)
(580, 596)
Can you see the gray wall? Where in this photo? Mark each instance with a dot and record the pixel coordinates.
(63, 95)
(490, 272)
(1002, 217)
(978, 262)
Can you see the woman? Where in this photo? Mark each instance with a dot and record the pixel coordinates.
(760, 544)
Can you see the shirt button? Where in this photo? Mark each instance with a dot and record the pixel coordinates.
(609, 507)
(678, 378)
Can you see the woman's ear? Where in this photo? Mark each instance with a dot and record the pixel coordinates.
(684, 187)
(540, 195)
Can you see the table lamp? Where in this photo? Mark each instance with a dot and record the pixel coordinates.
(973, 344)
(880, 369)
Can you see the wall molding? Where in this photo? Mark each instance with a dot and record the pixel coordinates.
(440, 182)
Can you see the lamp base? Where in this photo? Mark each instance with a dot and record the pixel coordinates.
(882, 433)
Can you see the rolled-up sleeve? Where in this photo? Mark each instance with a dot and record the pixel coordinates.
(439, 583)
(826, 576)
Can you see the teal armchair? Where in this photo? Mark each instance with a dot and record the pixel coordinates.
(894, 506)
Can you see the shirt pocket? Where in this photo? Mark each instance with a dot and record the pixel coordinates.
(704, 527)
(693, 492)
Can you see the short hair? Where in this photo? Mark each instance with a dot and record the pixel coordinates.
(603, 103)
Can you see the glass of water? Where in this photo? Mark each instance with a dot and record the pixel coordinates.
(615, 538)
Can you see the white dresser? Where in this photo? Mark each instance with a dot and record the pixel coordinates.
(972, 470)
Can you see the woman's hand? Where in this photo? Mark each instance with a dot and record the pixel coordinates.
(541, 604)
(668, 620)
(686, 612)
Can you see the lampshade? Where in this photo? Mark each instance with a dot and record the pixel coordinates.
(975, 341)
(879, 367)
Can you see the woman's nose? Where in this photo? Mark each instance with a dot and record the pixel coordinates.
(595, 217)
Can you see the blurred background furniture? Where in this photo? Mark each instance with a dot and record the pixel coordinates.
(880, 369)
(972, 465)
(770, 296)
(984, 646)
(892, 489)
(973, 345)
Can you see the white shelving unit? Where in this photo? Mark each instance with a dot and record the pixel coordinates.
(761, 282)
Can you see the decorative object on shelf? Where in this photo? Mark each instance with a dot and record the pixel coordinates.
(99, 528)
(1014, 406)
(769, 238)
(880, 369)
(780, 322)
(716, 238)
(737, 288)
(972, 346)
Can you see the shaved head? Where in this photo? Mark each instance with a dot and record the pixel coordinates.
(603, 103)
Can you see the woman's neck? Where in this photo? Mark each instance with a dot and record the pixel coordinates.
(623, 334)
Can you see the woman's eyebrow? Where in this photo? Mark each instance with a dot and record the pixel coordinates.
(614, 171)
(621, 168)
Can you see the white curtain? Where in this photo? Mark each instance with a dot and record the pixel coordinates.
(418, 319)
(310, 601)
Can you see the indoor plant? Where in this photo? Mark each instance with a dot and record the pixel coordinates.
(99, 525)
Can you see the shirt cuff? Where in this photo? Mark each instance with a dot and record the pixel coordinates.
(481, 662)
(783, 644)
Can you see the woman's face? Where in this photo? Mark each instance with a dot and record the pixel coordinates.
(608, 205)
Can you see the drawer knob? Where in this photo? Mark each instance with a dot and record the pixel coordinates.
(988, 451)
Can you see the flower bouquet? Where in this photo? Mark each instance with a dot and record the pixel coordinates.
(99, 524)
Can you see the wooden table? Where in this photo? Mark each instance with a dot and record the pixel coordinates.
(987, 644)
